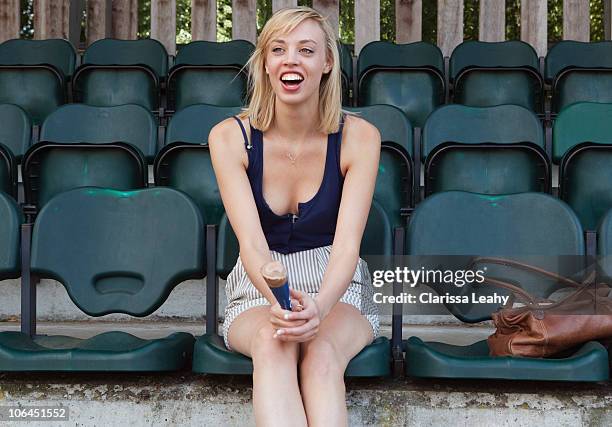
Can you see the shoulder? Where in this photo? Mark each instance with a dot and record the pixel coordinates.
(360, 140)
(226, 138)
(359, 133)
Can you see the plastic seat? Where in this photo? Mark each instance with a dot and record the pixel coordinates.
(448, 229)
(212, 357)
(209, 73)
(117, 72)
(184, 163)
(489, 150)
(16, 130)
(34, 74)
(408, 76)
(89, 146)
(8, 172)
(582, 144)
(346, 70)
(110, 250)
(394, 183)
(11, 219)
(486, 74)
(579, 71)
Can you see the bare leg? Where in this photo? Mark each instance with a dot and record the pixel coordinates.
(276, 394)
(342, 334)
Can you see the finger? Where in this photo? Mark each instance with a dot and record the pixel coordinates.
(296, 305)
(279, 323)
(299, 295)
(278, 312)
(305, 314)
(300, 330)
(301, 338)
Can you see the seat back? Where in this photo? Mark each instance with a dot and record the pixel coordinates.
(184, 164)
(211, 73)
(491, 150)
(8, 172)
(16, 129)
(119, 252)
(495, 73)
(394, 183)
(346, 70)
(117, 72)
(408, 76)
(33, 74)
(10, 258)
(448, 229)
(75, 123)
(604, 246)
(582, 143)
(579, 71)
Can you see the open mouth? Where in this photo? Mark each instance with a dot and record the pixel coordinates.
(291, 81)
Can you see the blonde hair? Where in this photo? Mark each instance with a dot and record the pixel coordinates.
(260, 109)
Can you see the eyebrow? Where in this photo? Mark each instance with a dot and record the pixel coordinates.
(301, 41)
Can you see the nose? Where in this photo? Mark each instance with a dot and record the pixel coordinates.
(292, 57)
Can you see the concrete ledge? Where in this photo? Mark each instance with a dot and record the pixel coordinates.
(186, 399)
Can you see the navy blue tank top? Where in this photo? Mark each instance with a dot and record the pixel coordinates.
(315, 224)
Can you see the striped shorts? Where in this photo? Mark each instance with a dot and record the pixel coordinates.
(305, 272)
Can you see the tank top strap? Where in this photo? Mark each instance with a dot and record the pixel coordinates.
(247, 142)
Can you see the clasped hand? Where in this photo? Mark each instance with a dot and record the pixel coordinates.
(299, 325)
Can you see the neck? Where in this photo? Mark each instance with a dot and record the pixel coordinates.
(296, 122)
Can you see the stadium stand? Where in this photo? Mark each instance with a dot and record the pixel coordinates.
(16, 130)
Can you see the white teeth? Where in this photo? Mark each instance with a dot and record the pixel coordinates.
(291, 77)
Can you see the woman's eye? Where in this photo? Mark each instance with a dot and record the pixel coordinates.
(277, 49)
(306, 50)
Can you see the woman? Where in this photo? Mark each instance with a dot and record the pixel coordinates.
(296, 177)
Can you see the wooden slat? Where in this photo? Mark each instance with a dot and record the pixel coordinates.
(51, 19)
(125, 19)
(367, 23)
(534, 24)
(204, 20)
(576, 20)
(9, 19)
(244, 25)
(408, 21)
(163, 23)
(280, 4)
(330, 9)
(492, 21)
(99, 16)
(450, 25)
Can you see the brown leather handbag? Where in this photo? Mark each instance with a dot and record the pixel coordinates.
(543, 328)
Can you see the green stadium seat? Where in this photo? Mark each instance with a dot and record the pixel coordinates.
(89, 146)
(8, 172)
(184, 163)
(582, 144)
(109, 249)
(394, 184)
(212, 357)
(408, 76)
(486, 74)
(490, 150)
(11, 219)
(16, 130)
(74, 123)
(117, 72)
(579, 71)
(209, 73)
(34, 74)
(448, 229)
(346, 70)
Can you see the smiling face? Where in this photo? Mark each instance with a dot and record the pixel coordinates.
(295, 63)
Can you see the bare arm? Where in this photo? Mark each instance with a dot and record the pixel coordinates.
(230, 161)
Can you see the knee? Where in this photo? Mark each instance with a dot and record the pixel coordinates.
(266, 350)
(321, 360)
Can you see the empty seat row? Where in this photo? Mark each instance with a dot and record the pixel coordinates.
(489, 150)
(41, 75)
(119, 262)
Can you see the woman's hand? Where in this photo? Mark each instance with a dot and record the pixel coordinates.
(303, 325)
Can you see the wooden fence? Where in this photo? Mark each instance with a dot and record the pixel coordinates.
(119, 19)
